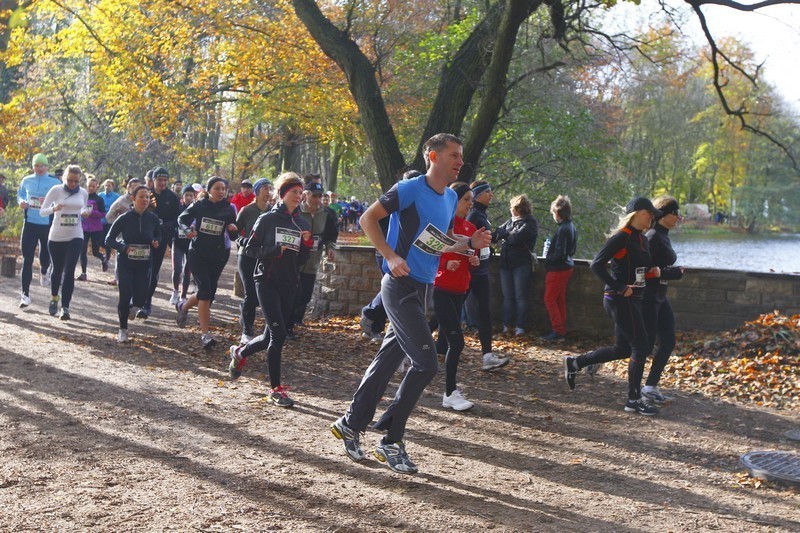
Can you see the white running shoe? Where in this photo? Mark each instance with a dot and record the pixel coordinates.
(44, 279)
(456, 401)
(403, 365)
(24, 301)
(207, 341)
(492, 361)
(122, 336)
(245, 338)
(175, 298)
(518, 332)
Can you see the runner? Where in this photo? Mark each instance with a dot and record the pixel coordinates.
(67, 203)
(139, 232)
(629, 255)
(180, 254)
(36, 228)
(246, 265)
(167, 207)
(420, 230)
(656, 308)
(244, 197)
(478, 305)
(205, 223)
(325, 233)
(122, 205)
(109, 196)
(93, 227)
(280, 242)
(449, 291)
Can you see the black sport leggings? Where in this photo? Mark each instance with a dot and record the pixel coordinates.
(276, 302)
(33, 234)
(96, 238)
(448, 312)
(479, 288)
(65, 258)
(134, 282)
(247, 309)
(660, 323)
(631, 341)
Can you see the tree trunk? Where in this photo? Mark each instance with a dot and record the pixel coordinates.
(360, 74)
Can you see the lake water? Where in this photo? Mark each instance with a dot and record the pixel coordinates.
(752, 253)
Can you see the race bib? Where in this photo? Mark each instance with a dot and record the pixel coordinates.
(433, 241)
(484, 253)
(288, 237)
(315, 246)
(181, 233)
(640, 273)
(35, 202)
(211, 226)
(469, 252)
(69, 221)
(139, 252)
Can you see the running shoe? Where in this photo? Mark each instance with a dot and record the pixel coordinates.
(82, 277)
(143, 313)
(519, 332)
(395, 457)
(279, 397)
(44, 278)
(593, 369)
(654, 395)
(570, 371)
(372, 336)
(405, 363)
(132, 313)
(122, 336)
(350, 439)
(183, 316)
(291, 335)
(553, 337)
(506, 329)
(105, 264)
(492, 361)
(24, 301)
(245, 338)
(207, 341)
(366, 325)
(456, 401)
(53, 307)
(175, 298)
(237, 362)
(64, 314)
(641, 406)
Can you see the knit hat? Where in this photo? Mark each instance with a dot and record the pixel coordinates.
(160, 172)
(461, 189)
(480, 189)
(263, 182)
(186, 189)
(39, 159)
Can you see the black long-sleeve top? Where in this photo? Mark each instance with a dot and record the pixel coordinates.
(663, 256)
(167, 208)
(266, 242)
(211, 221)
(519, 240)
(135, 229)
(563, 246)
(477, 216)
(629, 254)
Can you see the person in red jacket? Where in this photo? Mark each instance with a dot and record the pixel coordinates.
(244, 197)
(449, 291)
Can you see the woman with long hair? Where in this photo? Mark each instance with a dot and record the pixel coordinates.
(68, 203)
(628, 254)
(280, 242)
(205, 223)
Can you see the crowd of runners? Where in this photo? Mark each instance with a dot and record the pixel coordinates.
(433, 241)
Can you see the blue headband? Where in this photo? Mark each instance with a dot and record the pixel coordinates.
(480, 189)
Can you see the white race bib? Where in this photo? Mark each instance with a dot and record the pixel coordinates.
(315, 246)
(469, 252)
(68, 221)
(484, 254)
(139, 252)
(287, 237)
(211, 226)
(181, 233)
(640, 273)
(35, 202)
(433, 241)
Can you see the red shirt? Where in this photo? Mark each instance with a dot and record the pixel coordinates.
(456, 281)
(240, 200)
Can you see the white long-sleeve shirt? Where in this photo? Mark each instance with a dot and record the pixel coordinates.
(67, 220)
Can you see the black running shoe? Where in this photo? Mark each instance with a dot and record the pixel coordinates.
(641, 406)
(569, 371)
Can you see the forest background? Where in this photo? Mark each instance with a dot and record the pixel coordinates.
(547, 99)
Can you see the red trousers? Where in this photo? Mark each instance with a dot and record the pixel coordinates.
(555, 298)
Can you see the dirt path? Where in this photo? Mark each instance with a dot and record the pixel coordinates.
(152, 435)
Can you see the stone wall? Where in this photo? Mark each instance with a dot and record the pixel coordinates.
(705, 299)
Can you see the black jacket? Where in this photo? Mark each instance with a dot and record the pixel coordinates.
(518, 241)
(562, 247)
(135, 229)
(210, 220)
(628, 252)
(662, 256)
(167, 207)
(477, 215)
(276, 265)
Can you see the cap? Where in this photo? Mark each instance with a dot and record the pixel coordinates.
(246, 183)
(314, 188)
(639, 203)
(197, 187)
